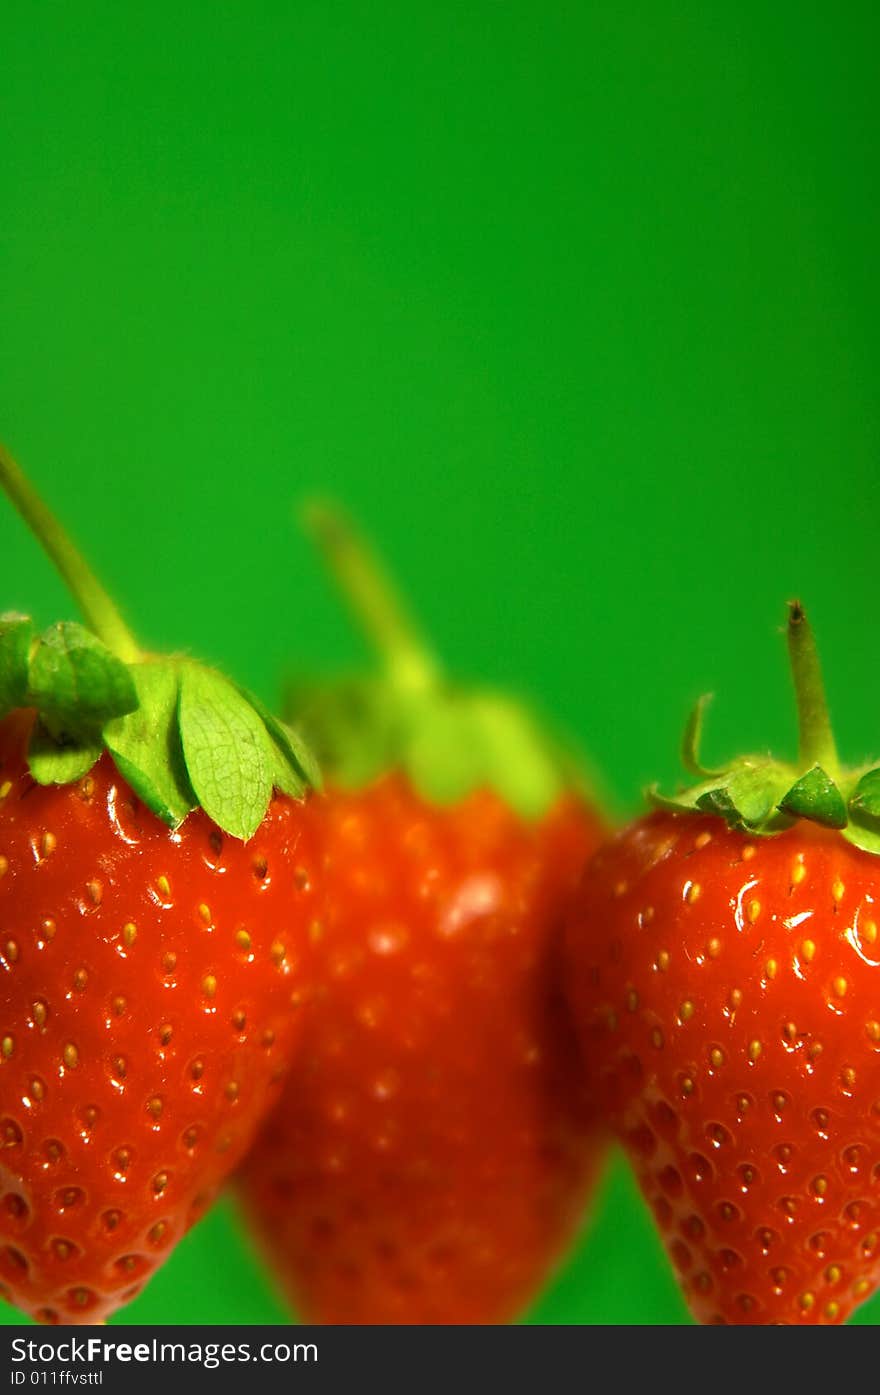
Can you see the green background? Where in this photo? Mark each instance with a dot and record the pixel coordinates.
(575, 305)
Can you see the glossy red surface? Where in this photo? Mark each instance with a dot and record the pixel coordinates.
(432, 1154)
(728, 995)
(151, 990)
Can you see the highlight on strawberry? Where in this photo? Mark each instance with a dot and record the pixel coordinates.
(157, 875)
(723, 962)
(433, 1155)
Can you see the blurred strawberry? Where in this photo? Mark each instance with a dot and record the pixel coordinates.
(433, 1152)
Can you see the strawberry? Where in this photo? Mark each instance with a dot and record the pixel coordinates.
(729, 1015)
(432, 1153)
(155, 895)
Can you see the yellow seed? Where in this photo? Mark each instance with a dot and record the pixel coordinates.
(71, 1056)
(209, 985)
(231, 1090)
(815, 1050)
(868, 931)
(95, 892)
(807, 1300)
(848, 1075)
(165, 1033)
(80, 978)
(840, 986)
(716, 1056)
(686, 1011)
(242, 939)
(790, 1031)
(205, 913)
(647, 915)
(838, 890)
(873, 1030)
(832, 1309)
(12, 951)
(779, 1102)
(169, 961)
(5, 788)
(4, 865)
(753, 911)
(657, 1037)
(693, 893)
(687, 1085)
(41, 1012)
(798, 872)
(736, 997)
(808, 950)
(277, 951)
(620, 889)
(748, 852)
(48, 844)
(7, 1046)
(155, 1105)
(118, 1005)
(38, 1089)
(163, 886)
(663, 960)
(820, 1185)
(832, 1273)
(771, 968)
(160, 1181)
(714, 948)
(129, 933)
(861, 1286)
(701, 840)
(755, 1049)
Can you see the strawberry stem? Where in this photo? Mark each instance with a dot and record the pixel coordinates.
(372, 598)
(96, 606)
(817, 746)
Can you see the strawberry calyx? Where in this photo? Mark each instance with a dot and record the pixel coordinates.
(763, 795)
(448, 739)
(181, 734)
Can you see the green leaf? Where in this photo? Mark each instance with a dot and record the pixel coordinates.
(866, 838)
(459, 743)
(59, 763)
(295, 766)
(517, 762)
(16, 634)
(866, 796)
(815, 796)
(145, 743)
(76, 683)
(693, 734)
(230, 758)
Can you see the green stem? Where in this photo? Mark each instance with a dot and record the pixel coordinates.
(97, 608)
(372, 598)
(817, 746)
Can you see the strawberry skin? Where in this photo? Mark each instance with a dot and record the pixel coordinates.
(729, 1014)
(151, 984)
(433, 1153)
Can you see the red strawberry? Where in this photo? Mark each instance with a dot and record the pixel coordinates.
(154, 902)
(730, 1021)
(432, 1153)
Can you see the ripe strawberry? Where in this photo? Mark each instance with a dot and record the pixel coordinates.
(432, 1153)
(154, 901)
(730, 1022)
